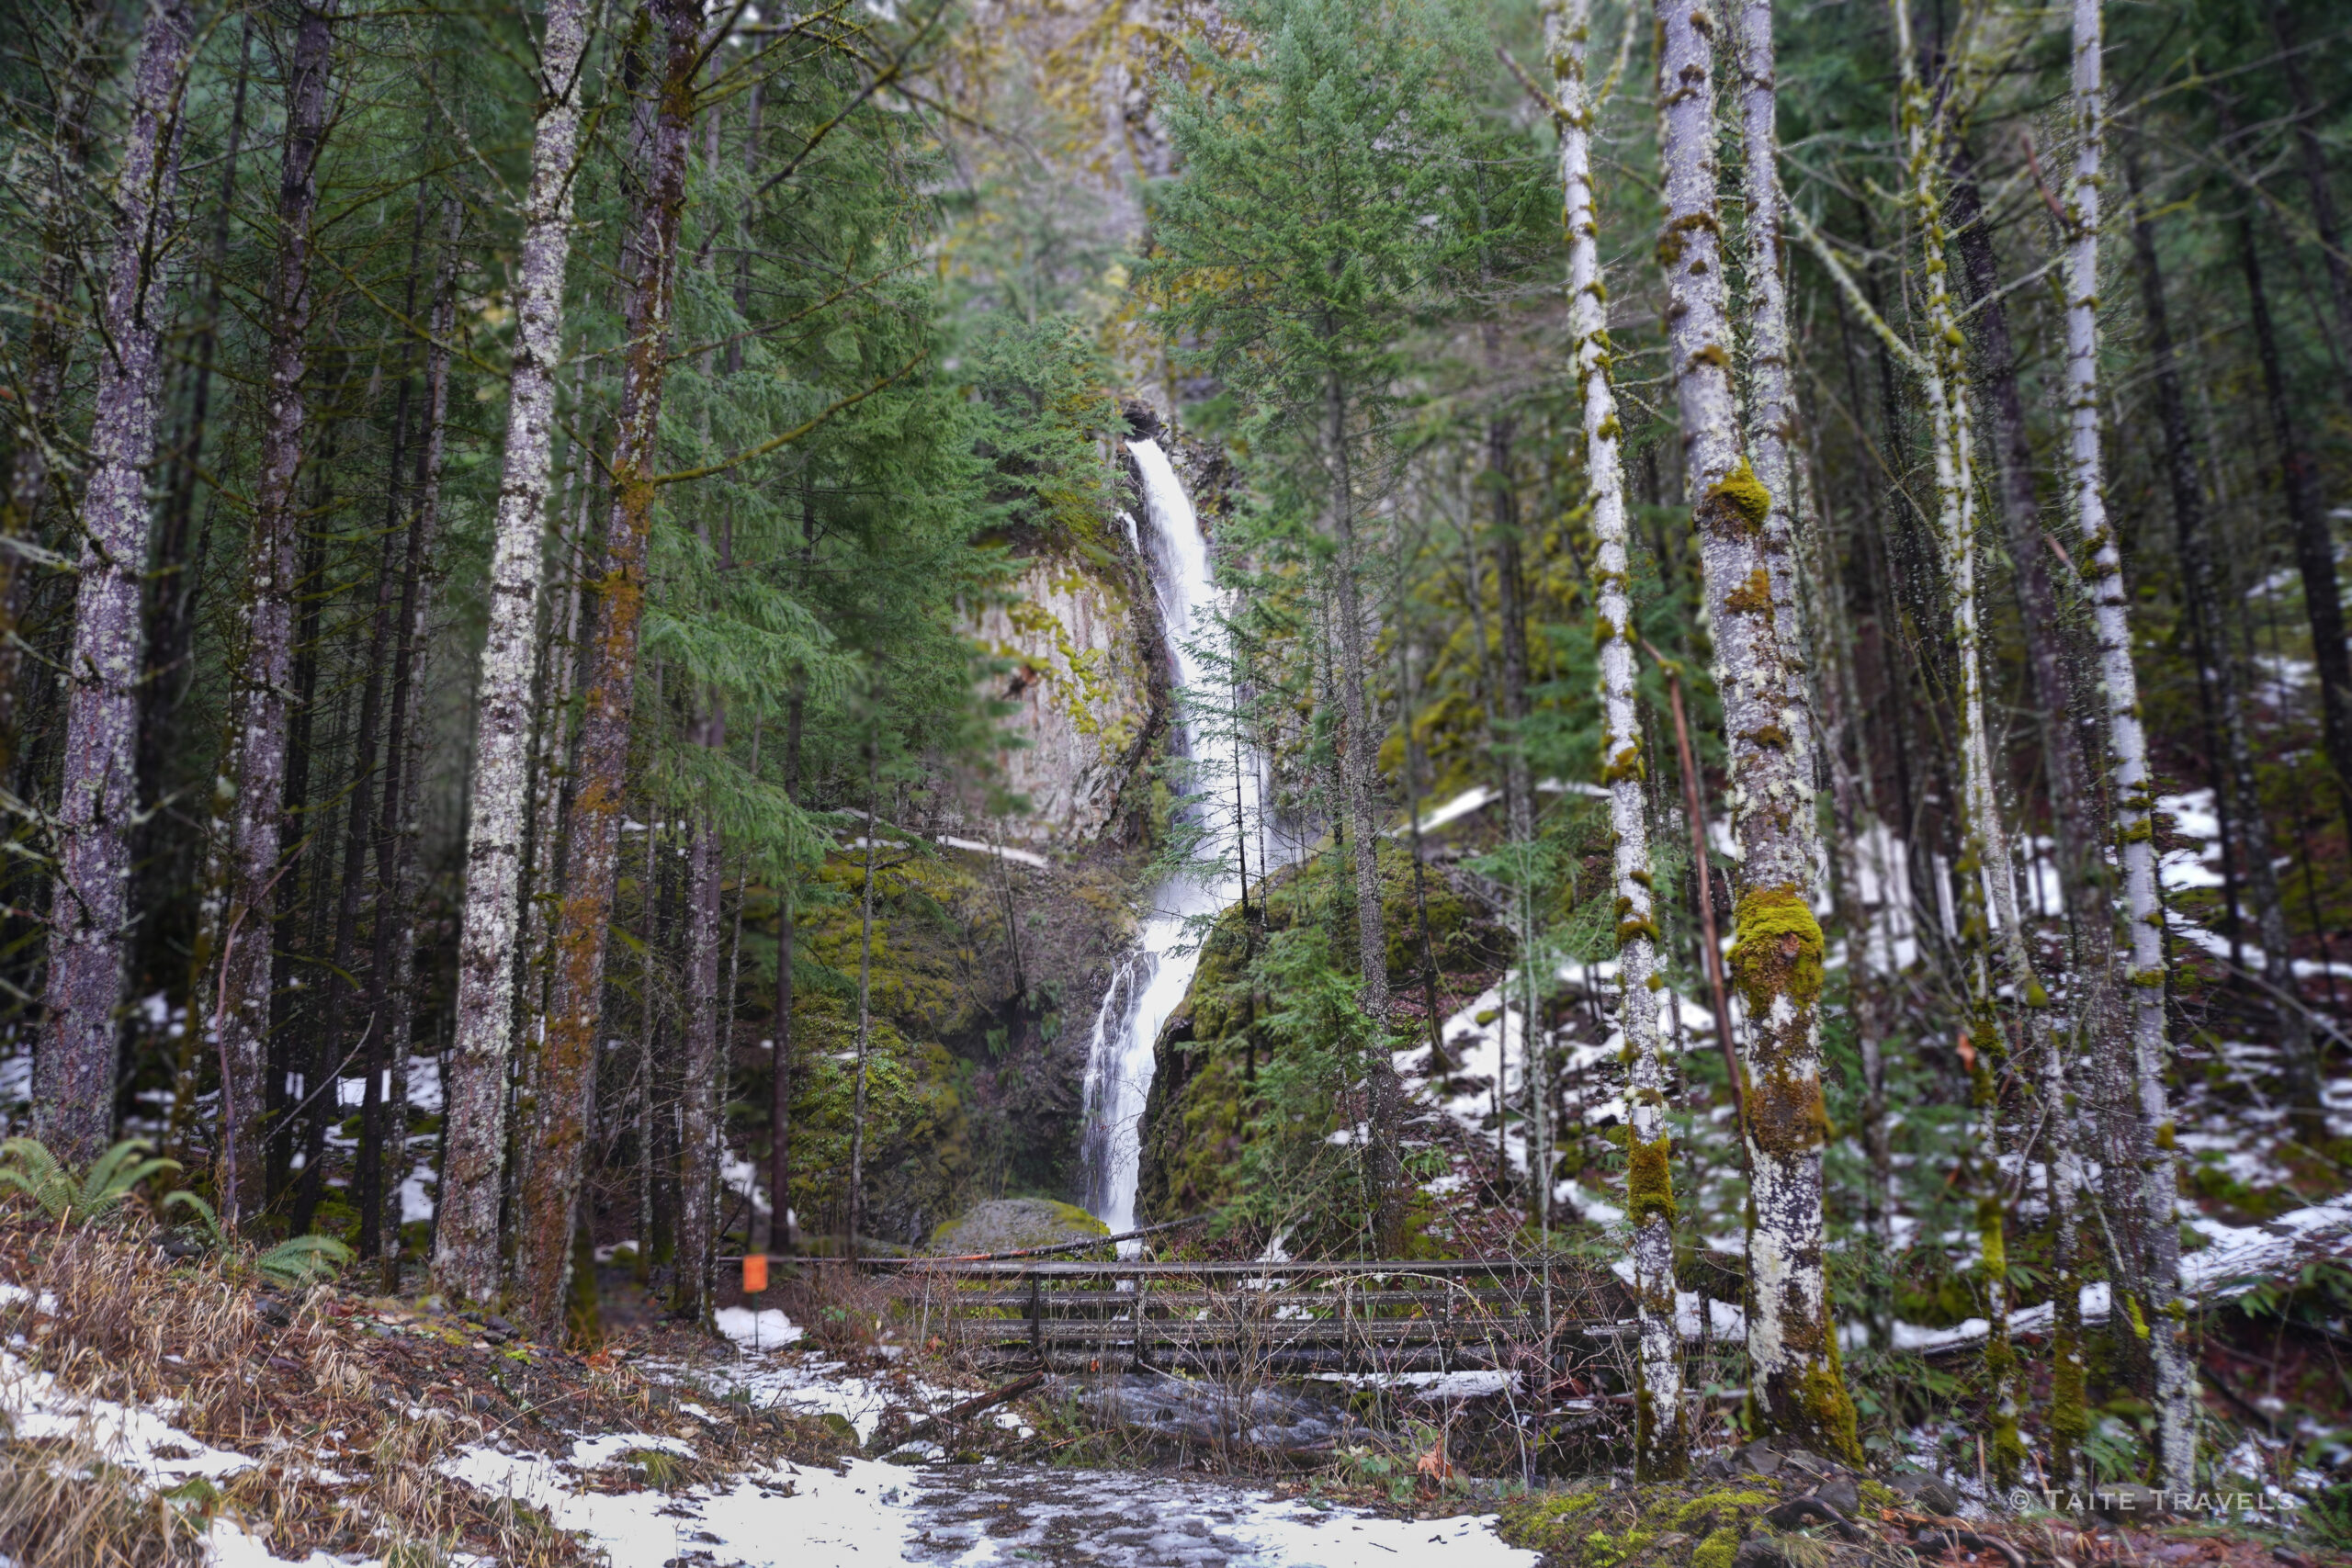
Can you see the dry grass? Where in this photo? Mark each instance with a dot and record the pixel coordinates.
(346, 1405)
(61, 1505)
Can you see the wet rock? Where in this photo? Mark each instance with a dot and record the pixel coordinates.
(1841, 1494)
(1274, 1420)
(1760, 1551)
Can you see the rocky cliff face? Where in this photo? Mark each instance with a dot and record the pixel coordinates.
(1088, 695)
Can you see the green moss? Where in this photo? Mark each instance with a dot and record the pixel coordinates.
(1829, 1409)
(1743, 494)
(1554, 1523)
(1718, 1510)
(1649, 1181)
(1717, 1550)
(1753, 597)
(1776, 949)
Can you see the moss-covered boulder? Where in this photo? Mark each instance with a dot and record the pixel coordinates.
(1015, 1225)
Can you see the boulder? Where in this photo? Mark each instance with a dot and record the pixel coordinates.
(1015, 1225)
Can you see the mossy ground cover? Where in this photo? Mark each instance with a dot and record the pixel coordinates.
(1596, 1526)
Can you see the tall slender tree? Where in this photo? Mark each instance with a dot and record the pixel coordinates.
(466, 1238)
(90, 917)
(1795, 1385)
(242, 1001)
(1661, 1426)
(663, 142)
(2131, 785)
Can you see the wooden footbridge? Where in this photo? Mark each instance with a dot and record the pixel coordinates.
(1386, 1315)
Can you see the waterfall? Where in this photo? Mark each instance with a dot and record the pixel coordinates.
(1227, 786)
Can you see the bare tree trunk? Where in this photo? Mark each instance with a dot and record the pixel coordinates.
(2072, 808)
(592, 838)
(89, 912)
(865, 1000)
(2220, 679)
(1360, 774)
(397, 831)
(2128, 753)
(243, 1001)
(466, 1252)
(177, 628)
(1661, 1426)
(705, 1063)
(1795, 1386)
(1983, 857)
(2313, 538)
(780, 1086)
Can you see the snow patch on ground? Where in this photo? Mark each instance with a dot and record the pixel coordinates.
(757, 1332)
(806, 1518)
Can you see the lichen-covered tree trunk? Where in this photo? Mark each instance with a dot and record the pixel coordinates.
(1795, 1385)
(1359, 775)
(2167, 1318)
(466, 1250)
(592, 835)
(1661, 1426)
(97, 797)
(1771, 397)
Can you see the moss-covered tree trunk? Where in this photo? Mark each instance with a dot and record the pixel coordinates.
(1795, 1385)
(1661, 1426)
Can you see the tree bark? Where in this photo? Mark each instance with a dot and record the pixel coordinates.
(592, 837)
(89, 913)
(1661, 1425)
(1795, 1386)
(466, 1250)
(2133, 783)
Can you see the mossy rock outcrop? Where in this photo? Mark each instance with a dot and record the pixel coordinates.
(1015, 1224)
(1199, 1114)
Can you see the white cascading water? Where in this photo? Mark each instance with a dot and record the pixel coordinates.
(1226, 788)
